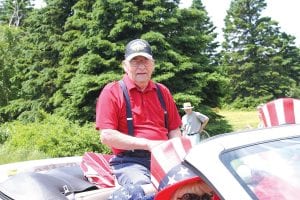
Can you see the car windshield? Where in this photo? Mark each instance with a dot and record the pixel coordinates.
(268, 170)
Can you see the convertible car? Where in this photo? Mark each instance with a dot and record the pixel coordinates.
(253, 164)
(256, 164)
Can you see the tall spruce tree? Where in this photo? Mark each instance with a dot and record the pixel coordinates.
(36, 64)
(257, 57)
(182, 42)
(9, 50)
(81, 51)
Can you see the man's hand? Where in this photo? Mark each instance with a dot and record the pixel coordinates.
(153, 143)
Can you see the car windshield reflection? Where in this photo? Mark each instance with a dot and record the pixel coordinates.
(268, 170)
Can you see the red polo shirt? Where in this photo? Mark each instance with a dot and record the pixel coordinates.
(148, 115)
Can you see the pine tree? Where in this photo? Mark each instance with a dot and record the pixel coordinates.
(9, 50)
(36, 64)
(94, 44)
(257, 56)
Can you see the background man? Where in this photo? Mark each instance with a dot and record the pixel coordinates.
(193, 123)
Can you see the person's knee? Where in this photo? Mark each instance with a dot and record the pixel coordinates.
(144, 181)
(131, 172)
(133, 177)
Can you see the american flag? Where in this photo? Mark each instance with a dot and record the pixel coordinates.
(280, 111)
(166, 162)
(96, 169)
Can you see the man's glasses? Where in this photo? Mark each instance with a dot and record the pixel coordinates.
(192, 196)
(137, 63)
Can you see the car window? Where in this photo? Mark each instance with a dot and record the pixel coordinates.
(269, 170)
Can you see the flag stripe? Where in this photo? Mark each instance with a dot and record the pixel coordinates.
(297, 111)
(272, 114)
(166, 156)
(263, 116)
(157, 172)
(267, 116)
(289, 107)
(281, 111)
(96, 168)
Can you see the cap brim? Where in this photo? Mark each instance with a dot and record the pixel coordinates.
(187, 108)
(146, 55)
(167, 192)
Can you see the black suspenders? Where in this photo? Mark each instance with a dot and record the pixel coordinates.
(128, 106)
(163, 104)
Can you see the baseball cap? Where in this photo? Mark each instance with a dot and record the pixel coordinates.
(138, 47)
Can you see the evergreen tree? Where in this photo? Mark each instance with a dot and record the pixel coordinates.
(9, 50)
(196, 40)
(93, 48)
(36, 65)
(257, 57)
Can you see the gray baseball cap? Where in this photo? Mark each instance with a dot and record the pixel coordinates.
(138, 47)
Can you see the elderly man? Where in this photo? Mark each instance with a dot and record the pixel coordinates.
(136, 114)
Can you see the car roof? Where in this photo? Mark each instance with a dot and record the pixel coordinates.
(246, 137)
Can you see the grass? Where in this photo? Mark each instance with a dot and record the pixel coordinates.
(240, 119)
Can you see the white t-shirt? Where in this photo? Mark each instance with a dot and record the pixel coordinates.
(191, 123)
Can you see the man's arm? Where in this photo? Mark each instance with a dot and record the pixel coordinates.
(183, 130)
(203, 125)
(175, 133)
(203, 119)
(116, 139)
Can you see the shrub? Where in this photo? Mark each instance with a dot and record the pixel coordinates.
(7, 156)
(4, 134)
(55, 136)
(249, 102)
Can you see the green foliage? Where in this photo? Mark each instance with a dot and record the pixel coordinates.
(71, 49)
(13, 12)
(92, 49)
(36, 63)
(248, 102)
(4, 134)
(217, 123)
(19, 108)
(9, 50)
(53, 135)
(257, 58)
(8, 156)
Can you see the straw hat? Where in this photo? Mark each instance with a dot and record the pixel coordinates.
(187, 105)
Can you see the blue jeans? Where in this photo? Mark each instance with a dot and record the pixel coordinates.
(131, 170)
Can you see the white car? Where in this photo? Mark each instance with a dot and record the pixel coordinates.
(253, 164)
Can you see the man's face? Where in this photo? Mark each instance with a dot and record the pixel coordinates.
(188, 111)
(139, 69)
